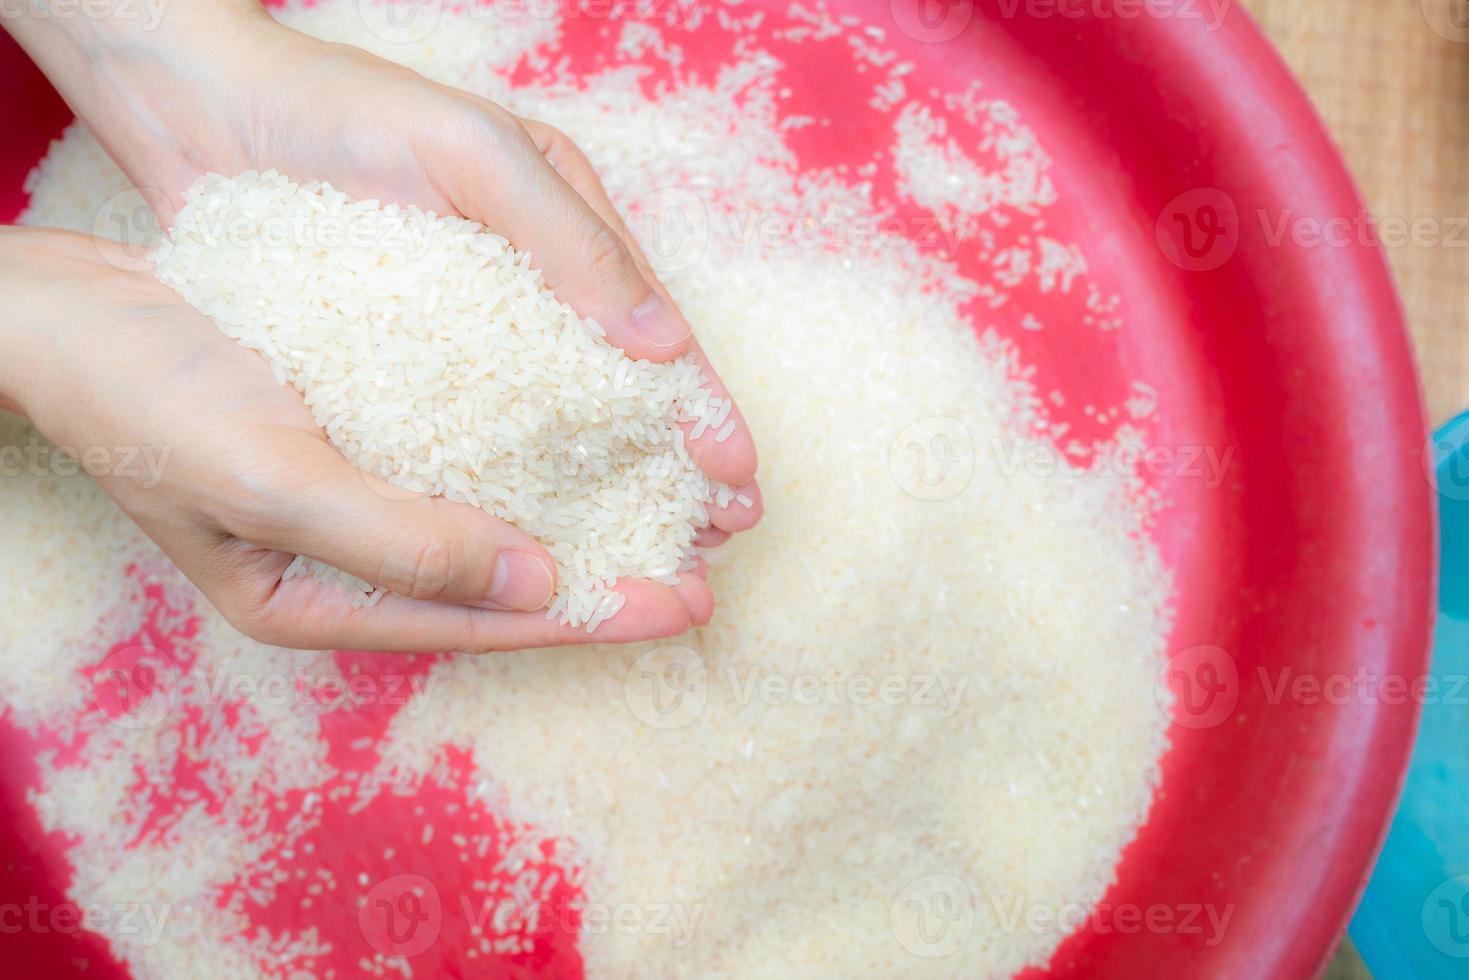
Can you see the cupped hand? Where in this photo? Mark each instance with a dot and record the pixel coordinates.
(223, 88)
(241, 92)
(111, 358)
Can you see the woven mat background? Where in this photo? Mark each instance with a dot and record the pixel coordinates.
(1391, 79)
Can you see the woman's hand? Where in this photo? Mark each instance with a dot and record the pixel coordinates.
(100, 357)
(221, 87)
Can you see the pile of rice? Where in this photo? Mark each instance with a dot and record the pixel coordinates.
(918, 733)
(433, 355)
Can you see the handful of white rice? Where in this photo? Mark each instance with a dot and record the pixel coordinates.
(434, 356)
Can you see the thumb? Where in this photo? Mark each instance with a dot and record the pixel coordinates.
(585, 260)
(415, 546)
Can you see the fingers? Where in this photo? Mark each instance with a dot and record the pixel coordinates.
(711, 537)
(732, 460)
(694, 592)
(523, 197)
(725, 451)
(424, 548)
(735, 516)
(311, 615)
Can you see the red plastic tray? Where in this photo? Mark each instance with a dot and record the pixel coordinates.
(1178, 144)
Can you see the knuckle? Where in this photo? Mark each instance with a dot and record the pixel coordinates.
(607, 258)
(496, 130)
(250, 503)
(425, 571)
(254, 622)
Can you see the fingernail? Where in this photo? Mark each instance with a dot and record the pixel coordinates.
(657, 322)
(521, 581)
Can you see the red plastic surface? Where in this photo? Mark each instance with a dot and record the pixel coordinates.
(1317, 554)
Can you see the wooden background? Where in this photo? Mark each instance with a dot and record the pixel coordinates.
(1394, 91)
(1391, 80)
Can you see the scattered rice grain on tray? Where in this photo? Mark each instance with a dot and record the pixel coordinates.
(795, 829)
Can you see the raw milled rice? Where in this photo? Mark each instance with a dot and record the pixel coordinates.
(433, 355)
(798, 833)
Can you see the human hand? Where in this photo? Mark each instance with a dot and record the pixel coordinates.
(103, 357)
(222, 87)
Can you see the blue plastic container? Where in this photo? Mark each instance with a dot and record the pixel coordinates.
(1413, 923)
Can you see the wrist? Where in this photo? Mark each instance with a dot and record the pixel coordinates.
(43, 277)
(156, 87)
(21, 317)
